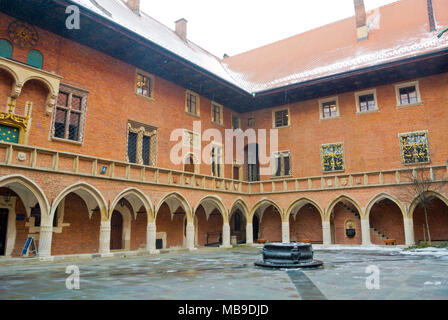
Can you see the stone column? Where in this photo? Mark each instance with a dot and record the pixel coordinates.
(190, 236)
(105, 238)
(249, 233)
(326, 232)
(151, 238)
(365, 230)
(409, 231)
(226, 236)
(285, 232)
(45, 238)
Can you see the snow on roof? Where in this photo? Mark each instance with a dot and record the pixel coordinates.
(396, 31)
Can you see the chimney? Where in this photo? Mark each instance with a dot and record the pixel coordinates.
(361, 20)
(432, 20)
(134, 5)
(181, 28)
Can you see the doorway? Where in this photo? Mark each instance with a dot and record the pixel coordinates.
(116, 231)
(3, 230)
(255, 227)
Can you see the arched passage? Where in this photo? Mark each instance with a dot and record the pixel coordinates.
(386, 214)
(305, 221)
(210, 217)
(433, 223)
(172, 216)
(238, 221)
(269, 216)
(77, 213)
(23, 208)
(344, 215)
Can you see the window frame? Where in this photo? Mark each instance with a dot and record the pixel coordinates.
(360, 94)
(288, 116)
(142, 130)
(321, 107)
(406, 85)
(151, 84)
(198, 104)
(221, 113)
(221, 162)
(83, 94)
(281, 155)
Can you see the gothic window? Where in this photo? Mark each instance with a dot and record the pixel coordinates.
(141, 144)
(144, 84)
(69, 114)
(414, 147)
(281, 118)
(332, 157)
(282, 164)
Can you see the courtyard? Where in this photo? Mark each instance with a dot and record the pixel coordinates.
(215, 274)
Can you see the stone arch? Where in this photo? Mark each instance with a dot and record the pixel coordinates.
(126, 227)
(23, 186)
(136, 198)
(174, 200)
(264, 204)
(414, 202)
(209, 203)
(380, 197)
(91, 196)
(341, 198)
(300, 203)
(11, 72)
(242, 205)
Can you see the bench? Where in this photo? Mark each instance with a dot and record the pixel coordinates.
(390, 242)
(305, 240)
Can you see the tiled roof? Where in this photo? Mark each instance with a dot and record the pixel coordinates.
(396, 31)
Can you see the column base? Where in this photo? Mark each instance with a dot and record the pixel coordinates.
(106, 255)
(192, 249)
(225, 247)
(154, 251)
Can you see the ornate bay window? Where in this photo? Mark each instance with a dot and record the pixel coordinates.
(141, 144)
(414, 147)
(332, 157)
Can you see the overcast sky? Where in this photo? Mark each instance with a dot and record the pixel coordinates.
(235, 26)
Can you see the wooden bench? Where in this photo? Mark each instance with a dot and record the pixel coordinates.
(261, 241)
(305, 240)
(390, 242)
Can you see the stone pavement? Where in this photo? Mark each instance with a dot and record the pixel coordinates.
(230, 274)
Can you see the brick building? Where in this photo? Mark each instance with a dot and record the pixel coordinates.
(87, 116)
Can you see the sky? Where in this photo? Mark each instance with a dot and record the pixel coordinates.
(235, 26)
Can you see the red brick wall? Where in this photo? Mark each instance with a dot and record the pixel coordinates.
(138, 231)
(437, 220)
(271, 226)
(388, 219)
(83, 234)
(307, 225)
(174, 229)
(213, 226)
(341, 215)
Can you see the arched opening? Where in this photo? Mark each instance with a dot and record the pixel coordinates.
(433, 224)
(35, 59)
(116, 231)
(5, 49)
(171, 220)
(345, 223)
(238, 226)
(305, 223)
(386, 222)
(35, 91)
(209, 227)
(6, 84)
(139, 229)
(269, 222)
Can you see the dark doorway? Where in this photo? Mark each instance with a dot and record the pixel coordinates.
(255, 228)
(3, 229)
(116, 231)
(253, 162)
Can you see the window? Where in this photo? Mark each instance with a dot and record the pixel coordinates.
(281, 118)
(251, 122)
(281, 164)
(144, 84)
(366, 101)
(192, 103)
(69, 115)
(217, 166)
(332, 157)
(329, 108)
(216, 113)
(235, 123)
(141, 144)
(408, 94)
(414, 147)
(5, 49)
(35, 59)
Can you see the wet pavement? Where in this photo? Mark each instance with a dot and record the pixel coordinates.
(230, 275)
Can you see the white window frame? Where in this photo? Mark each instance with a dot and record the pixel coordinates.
(364, 93)
(273, 118)
(321, 109)
(404, 85)
(274, 157)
